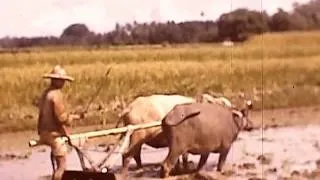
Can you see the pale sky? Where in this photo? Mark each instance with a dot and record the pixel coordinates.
(50, 17)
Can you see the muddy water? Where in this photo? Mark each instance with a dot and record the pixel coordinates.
(284, 151)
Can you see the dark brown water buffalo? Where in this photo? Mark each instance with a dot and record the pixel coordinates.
(154, 108)
(202, 128)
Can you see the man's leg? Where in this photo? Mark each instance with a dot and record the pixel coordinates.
(61, 166)
(52, 159)
(59, 149)
(47, 139)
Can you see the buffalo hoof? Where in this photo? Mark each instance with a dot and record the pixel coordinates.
(191, 165)
(177, 169)
(163, 173)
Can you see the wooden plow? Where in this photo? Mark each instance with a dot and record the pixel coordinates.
(100, 169)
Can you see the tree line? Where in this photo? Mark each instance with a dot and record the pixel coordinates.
(237, 25)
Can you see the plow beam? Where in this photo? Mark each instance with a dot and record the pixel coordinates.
(91, 134)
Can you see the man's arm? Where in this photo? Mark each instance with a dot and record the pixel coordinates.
(60, 112)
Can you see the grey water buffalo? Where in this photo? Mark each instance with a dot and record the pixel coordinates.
(146, 109)
(202, 128)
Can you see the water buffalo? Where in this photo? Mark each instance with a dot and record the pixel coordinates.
(202, 128)
(152, 108)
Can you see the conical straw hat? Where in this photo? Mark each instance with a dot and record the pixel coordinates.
(58, 73)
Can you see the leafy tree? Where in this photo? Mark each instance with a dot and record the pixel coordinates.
(75, 30)
(239, 24)
(76, 34)
(311, 13)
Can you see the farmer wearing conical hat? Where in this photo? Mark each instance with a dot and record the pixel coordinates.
(53, 118)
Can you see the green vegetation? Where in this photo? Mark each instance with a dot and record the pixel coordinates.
(285, 65)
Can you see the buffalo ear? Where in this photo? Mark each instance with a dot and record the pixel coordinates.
(178, 116)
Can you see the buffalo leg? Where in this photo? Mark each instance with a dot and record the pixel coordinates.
(179, 167)
(170, 160)
(203, 160)
(185, 160)
(126, 157)
(137, 156)
(222, 159)
(135, 145)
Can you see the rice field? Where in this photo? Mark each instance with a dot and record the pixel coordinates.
(275, 70)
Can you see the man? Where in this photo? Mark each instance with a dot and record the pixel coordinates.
(53, 119)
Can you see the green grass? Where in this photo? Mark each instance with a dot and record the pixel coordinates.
(285, 65)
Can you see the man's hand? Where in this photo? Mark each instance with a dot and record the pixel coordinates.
(79, 115)
(82, 115)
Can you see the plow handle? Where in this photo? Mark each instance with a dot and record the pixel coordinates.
(34, 143)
